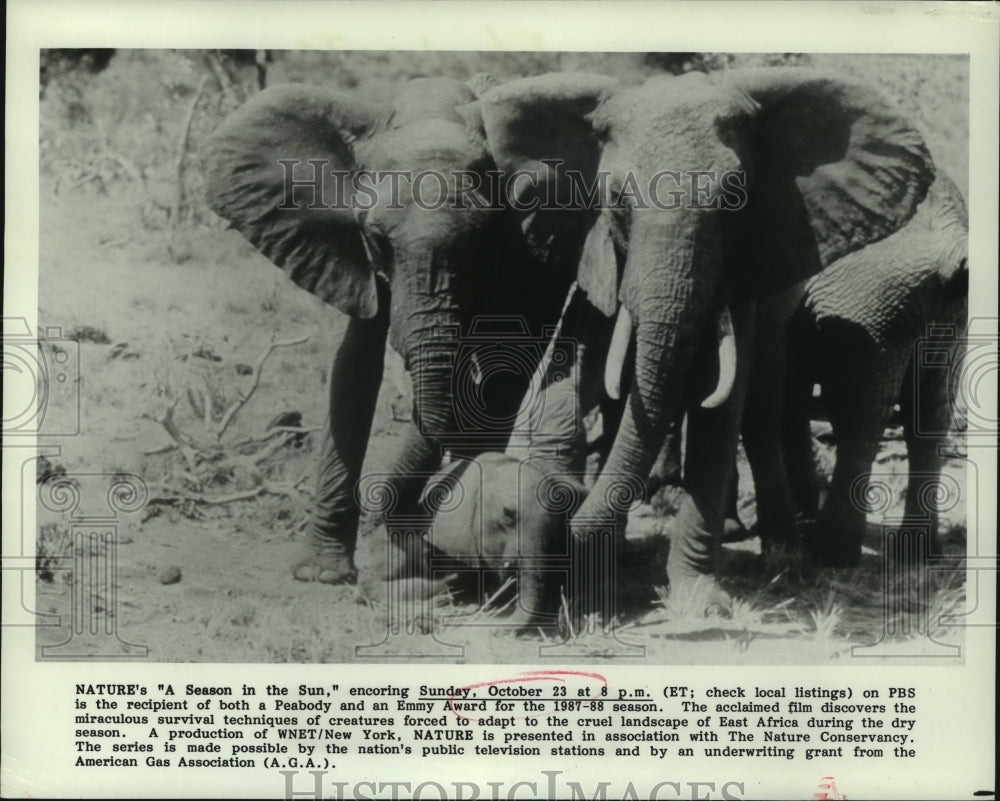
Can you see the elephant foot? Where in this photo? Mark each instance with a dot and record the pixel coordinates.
(833, 540)
(698, 596)
(325, 564)
(734, 530)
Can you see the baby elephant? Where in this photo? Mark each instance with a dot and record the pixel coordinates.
(497, 517)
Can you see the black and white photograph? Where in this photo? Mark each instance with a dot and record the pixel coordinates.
(601, 387)
(534, 300)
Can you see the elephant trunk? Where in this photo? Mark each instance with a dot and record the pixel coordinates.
(670, 287)
(424, 330)
(621, 338)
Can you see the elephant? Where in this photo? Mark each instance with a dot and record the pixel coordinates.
(691, 198)
(328, 187)
(861, 329)
(497, 517)
(668, 471)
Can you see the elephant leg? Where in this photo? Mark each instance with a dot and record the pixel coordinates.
(801, 356)
(763, 424)
(712, 436)
(926, 412)
(733, 529)
(354, 381)
(859, 387)
(699, 522)
(800, 462)
(762, 438)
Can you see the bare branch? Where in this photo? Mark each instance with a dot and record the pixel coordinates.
(271, 447)
(125, 164)
(220, 75)
(181, 150)
(194, 497)
(275, 430)
(166, 421)
(232, 411)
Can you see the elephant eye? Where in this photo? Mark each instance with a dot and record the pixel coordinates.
(621, 208)
(620, 200)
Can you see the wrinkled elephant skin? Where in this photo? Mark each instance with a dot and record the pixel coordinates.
(718, 191)
(426, 277)
(498, 518)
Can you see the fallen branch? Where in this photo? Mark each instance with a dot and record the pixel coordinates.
(275, 430)
(271, 447)
(194, 497)
(166, 421)
(254, 459)
(231, 412)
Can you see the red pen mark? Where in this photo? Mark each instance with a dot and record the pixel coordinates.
(827, 791)
(555, 676)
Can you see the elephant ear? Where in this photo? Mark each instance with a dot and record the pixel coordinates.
(311, 232)
(835, 168)
(945, 218)
(457, 526)
(541, 136)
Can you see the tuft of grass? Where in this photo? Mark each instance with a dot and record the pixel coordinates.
(947, 607)
(694, 601)
(826, 618)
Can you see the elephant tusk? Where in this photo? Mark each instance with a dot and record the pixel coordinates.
(616, 353)
(727, 361)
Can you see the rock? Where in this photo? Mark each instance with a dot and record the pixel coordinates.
(170, 575)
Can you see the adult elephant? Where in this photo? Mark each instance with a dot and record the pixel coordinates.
(374, 209)
(720, 190)
(857, 331)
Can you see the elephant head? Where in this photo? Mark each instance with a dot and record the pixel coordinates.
(498, 518)
(697, 191)
(358, 203)
(306, 174)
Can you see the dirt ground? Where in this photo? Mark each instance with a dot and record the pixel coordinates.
(174, 312)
